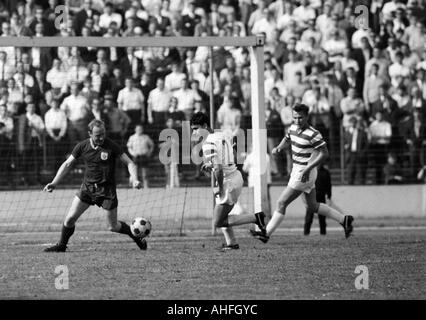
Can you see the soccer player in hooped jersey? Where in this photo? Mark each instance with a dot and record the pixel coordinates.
(99, 155)
(309, 150)
(219, 158)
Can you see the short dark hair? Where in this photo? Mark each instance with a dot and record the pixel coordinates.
(301, 108)
(199, 119)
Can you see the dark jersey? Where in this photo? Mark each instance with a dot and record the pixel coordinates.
(99, 162)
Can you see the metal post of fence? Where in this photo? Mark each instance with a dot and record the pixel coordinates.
(342, 154)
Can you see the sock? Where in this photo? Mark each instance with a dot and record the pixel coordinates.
(125, 229)
(277, 218)
(228, 232)
(329, 212)
(66, 234)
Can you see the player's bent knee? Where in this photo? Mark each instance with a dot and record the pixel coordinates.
(282, 205)
(312, 207)
(70, 222)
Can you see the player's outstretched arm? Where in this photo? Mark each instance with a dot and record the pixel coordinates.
(133, 170)
(284, 143)
(62, 172)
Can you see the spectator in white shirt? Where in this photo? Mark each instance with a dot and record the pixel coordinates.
(192, 66)
(77, 72)
(265, 25)
(398, 69)
(173, 80)
(380, 132)
(324, 21)
(335, 46)
(203, 78)
(109, 16)
(140, 147)
(275, 81)
(56, 76)
(304, 13)
(186, 98)
(158, 103)
(291, 67)
(7, 69)
(131, 101)
(7, 146)
(78, 113)
(351, 106)
(30, 143)
(28, 79)
(389, 8)
(257, 14)
(15, 96)
(55, 121)
(347, 60)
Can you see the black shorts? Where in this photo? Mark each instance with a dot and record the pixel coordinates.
(142, 161)
(104, 196)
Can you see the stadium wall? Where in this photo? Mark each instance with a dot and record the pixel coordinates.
(371, 201)
(360, 201)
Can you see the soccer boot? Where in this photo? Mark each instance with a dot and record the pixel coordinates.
(347, 225)
(226, 247)
(141, 242)
(260, 235)
(56, 248)
(260, 221)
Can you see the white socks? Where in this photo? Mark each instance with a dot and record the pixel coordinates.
(274, 223)
(229, 235)
(329, 212)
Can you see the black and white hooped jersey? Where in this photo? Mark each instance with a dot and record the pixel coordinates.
(303, 143)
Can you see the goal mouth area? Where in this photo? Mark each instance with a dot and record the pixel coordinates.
(52, 211)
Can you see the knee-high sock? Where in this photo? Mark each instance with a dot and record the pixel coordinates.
(236, 220)
(273, 224)
(329, 212)
(66, 234)
(228, 232)
(125, 229)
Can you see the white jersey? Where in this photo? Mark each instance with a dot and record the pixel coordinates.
(218, 149)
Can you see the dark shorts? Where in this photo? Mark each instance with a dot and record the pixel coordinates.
(142, 161)
(101, 195)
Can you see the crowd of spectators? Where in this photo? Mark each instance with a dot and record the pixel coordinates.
(363, 77)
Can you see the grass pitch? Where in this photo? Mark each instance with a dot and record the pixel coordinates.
(290, 266)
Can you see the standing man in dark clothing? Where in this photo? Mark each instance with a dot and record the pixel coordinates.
(356, 148)
(99, 187)
(323, 187)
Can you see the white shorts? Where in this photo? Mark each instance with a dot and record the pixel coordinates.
(232, 186)
(296, 183)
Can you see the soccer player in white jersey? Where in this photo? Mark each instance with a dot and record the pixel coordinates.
(309, 150)
(219, 158)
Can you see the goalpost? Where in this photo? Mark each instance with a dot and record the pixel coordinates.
(18, 205)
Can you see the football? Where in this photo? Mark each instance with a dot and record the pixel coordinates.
(140, 227)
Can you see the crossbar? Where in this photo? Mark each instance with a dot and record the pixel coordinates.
(30, 42)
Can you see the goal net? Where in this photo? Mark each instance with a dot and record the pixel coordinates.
(52, 87)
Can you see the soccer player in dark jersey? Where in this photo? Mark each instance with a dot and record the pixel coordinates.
(309, 150)
(98, 188)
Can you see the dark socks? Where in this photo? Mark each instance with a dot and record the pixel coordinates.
(66, 234)
(125, 229)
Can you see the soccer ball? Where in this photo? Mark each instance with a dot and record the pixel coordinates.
(140, 227)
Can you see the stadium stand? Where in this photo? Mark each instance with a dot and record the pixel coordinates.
(315, 53)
